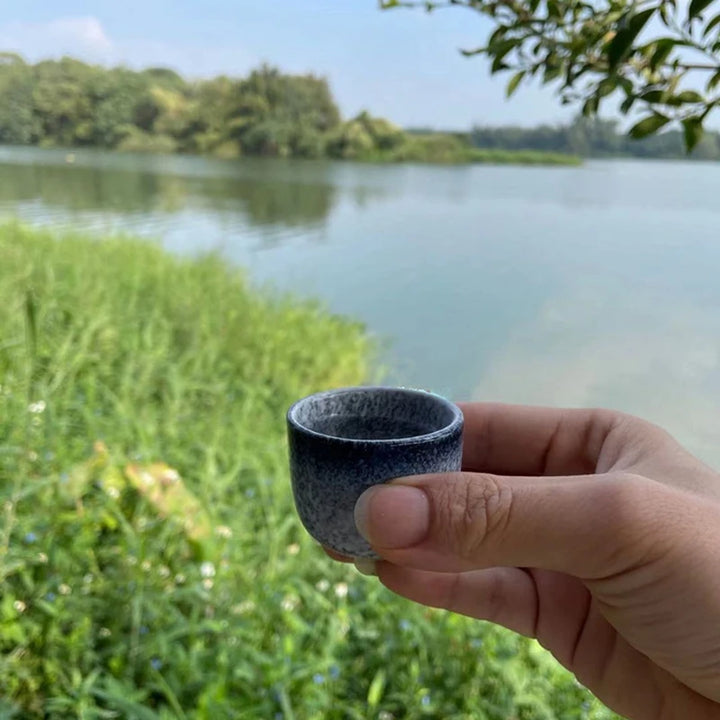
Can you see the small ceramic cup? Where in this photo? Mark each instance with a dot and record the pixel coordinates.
(343, 441)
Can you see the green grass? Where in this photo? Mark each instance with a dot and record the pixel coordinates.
(130, 591)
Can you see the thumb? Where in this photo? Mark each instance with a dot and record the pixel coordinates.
(589, 526)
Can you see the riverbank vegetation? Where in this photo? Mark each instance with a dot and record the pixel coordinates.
(152, 563)
(68, 103)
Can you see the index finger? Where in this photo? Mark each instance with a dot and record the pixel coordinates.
(524, 440)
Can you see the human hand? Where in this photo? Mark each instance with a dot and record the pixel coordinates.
(590, 530)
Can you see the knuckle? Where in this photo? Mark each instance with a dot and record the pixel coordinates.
(471, 510)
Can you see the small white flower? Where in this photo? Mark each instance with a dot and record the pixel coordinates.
(32, 456)
(290, 602)
(164, 571)
(104, 632)
(64, 589)
(113, 492)
(385, 715)
(42, 557)
(37, 407)
(293, 549)
(341, 590)
(180, 578)
(147, 478)
(322, 585)
(145, 565)
(132, 560)
(20, 606)
(207, 583)
(207, 569)
(243, 607)
(223, 531)
(88, 578)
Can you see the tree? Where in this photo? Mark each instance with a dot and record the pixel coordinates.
(660, 57)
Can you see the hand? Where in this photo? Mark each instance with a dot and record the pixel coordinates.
(590, 530)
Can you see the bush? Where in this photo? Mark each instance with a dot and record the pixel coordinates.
(138, 589)
(140, 141)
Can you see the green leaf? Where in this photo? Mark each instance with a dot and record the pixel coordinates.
(692, 132)
(621, 45)
(649, 125)
(515, 80)
(711, 25)
(653, 96)
(713, 81)
(590, 106)
(663, 48)
(689, 96)
(606, 87)
(376, 688)
(627, 103)
(696, 7)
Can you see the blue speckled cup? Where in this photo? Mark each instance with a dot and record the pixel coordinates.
(343, 441)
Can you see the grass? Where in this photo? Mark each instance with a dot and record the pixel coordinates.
(151, 560)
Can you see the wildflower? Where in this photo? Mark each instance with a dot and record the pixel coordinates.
(223, 531)
(322, 585)
(318, 679)
(37, 407)
(207, 583)
(87, 579)
(104, 632)
(293, 549)
(164, 571)
(113, 492)
(144, 630)
(20, 606)
(425, 700)
(50, 596)
(156, 664)
(207, 569)
(476, 643)
(32, 456)
(341, 590)
(64, 589)
(334, 672)
(131, 560)
(290, 602)
(180, 578)
(42, 557)
(30, 537)
(250, 493)
(145, 565)
(385, 715)
(404, 624)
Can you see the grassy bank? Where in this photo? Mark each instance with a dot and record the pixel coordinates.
(445, 148)
(135, 589)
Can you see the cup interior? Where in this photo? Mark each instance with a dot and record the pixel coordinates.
(374, 413)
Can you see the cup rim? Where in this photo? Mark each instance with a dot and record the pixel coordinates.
(449, 429)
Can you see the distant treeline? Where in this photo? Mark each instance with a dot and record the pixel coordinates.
(68, 103)
(592, 138)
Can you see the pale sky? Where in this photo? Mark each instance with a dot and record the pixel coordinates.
(402, 64)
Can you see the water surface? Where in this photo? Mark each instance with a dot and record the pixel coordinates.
(597, 285)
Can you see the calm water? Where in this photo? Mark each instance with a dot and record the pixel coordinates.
(597, 285)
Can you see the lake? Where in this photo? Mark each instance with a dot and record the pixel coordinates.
(589, 286)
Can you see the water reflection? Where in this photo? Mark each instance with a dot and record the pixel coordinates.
(587, 351)
(248, 192)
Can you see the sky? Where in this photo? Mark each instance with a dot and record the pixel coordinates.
(402, 64)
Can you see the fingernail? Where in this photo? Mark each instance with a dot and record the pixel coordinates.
(365, 566)
(393, 516)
